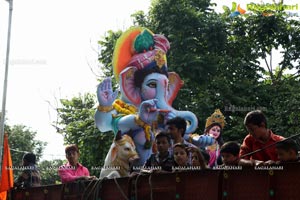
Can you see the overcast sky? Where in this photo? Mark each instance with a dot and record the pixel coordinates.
(51, 45)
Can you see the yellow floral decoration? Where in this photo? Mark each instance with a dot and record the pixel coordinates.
(125, 109)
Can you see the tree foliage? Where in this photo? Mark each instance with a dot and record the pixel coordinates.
(49, 171)
(228, 63)
(105, 55)
(76, 123)
(21, 140)
(275, 89)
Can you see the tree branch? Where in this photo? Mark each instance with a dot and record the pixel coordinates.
(271, 65)
(270, 71)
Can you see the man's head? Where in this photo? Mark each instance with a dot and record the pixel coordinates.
(163, 142)
(256, 124)
(72, 154)
(176, 127)
(29, 158)
(230, 153)
(287, 150)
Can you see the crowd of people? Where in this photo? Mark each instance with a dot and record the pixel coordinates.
(260, 147)
(172, 153)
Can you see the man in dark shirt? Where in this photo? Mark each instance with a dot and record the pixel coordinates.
(163, 159)
(30, 176)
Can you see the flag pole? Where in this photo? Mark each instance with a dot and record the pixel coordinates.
(2, 122)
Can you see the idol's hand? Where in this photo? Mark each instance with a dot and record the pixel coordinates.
(148, 111)
(106, 96)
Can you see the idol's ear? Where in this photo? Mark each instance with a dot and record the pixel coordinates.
(128, 89)
(175, 83)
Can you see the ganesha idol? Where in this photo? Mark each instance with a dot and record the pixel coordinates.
(147, 91)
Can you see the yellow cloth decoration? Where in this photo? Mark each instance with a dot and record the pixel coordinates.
(212, 147)
(147, 129)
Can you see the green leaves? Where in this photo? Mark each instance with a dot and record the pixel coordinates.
(76, 123)
(22, 139)
(48, 171)
(106, 46)
(230, 62)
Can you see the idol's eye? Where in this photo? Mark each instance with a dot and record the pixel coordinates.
(151, 85)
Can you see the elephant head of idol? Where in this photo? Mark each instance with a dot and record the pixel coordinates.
(140, 64)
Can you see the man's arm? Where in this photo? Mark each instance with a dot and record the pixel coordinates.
(246, 148)
(21, 178)
(66, 175)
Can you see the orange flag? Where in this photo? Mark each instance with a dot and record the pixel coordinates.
(7, 177)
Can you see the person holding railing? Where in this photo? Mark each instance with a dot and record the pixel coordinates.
(259, 145)
(288, 152)
(230, 153)
(163, 159)
(73, 170)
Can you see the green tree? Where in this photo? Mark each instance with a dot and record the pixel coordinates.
(107, 44)
(221, 59)
(197, 37)
(249, 78)
(21, 140)
(48, 171)
(284, 105)
(235, 87)
(76, 123)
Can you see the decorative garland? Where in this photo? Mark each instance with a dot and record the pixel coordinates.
(146, 128)
(121, 107)
(125, 109)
